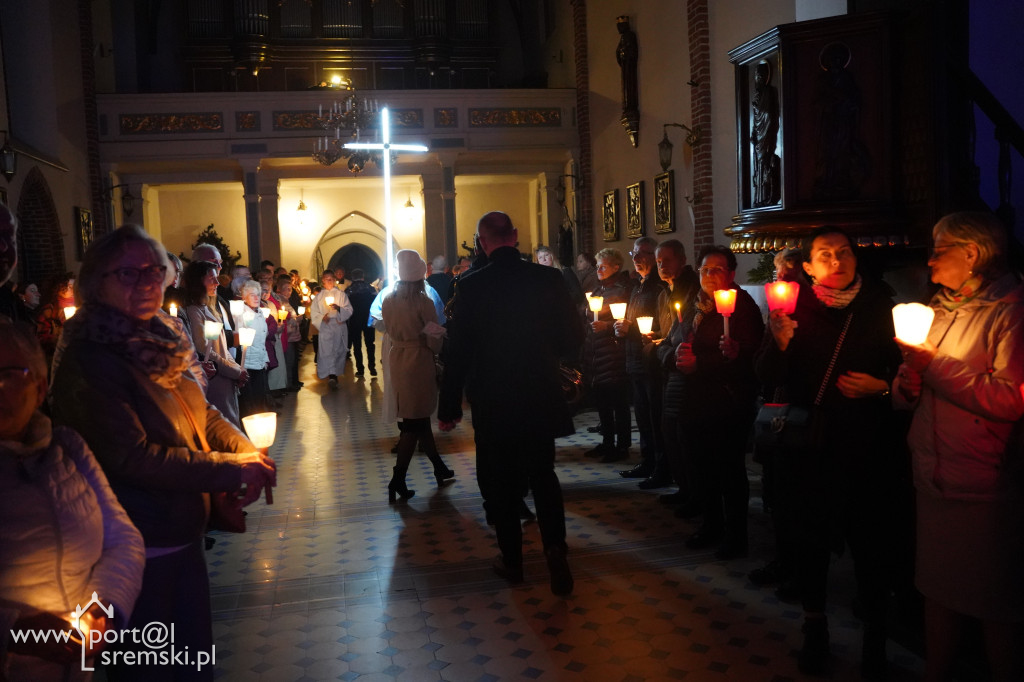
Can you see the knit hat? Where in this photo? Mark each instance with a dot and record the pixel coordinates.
(411, 267)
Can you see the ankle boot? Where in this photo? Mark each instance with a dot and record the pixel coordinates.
(441, 472)
(397, 486)
(814, 655)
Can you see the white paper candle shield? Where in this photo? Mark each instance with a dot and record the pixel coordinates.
(237, 307)
(69, 312)
(618, 310)
(211, 330)
(644, 324)
(246, 336)
(912, 322)
(261, 428)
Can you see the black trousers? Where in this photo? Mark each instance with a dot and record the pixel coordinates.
(252, 398)
(506, 464)
(613, 410)
(718, 449)
(357, 334)
(647, 409)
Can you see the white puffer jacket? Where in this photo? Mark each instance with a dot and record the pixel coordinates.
(63, 536)
(965, 423)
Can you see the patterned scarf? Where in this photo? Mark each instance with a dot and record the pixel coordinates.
(836, 298)
(158, 351)
(951, 300)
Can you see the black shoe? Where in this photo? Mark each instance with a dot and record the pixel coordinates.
(600, 451)
(655, 482)
(593, 429)
(703, 539)
(639, 471)
(332, 381)
(615, 455)
(772, 573)
(373, 372)
(443, 474)
(561, 577)
(398, 488)
(514, 575)
(814, 655)
(359, 373)
(688, 510)
(678, 497)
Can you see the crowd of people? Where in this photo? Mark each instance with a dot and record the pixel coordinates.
(121, 418)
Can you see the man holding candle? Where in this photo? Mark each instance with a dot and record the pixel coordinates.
(604, 359)
(329, 311)
(641, 364)
(510, 323)
(678, 297)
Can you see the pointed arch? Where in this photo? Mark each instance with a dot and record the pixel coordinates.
(40, 242)
(374, 230)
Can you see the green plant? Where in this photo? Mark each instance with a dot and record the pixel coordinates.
(210, 236)
(764, 271)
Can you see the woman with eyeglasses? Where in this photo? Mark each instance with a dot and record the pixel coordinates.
(966, 387)
(123, 382)
(838, 486)
(720, 397)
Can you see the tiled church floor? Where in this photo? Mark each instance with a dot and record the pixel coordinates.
(333, 583)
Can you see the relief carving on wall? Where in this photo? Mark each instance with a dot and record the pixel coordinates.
(508, 117)
(142, 124)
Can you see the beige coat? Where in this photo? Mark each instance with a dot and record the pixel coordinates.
(411, 356)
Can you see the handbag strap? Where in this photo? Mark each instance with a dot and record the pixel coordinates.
(832, 362)
(192, 420)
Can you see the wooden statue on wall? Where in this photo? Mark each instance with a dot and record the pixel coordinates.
(626, 55)
(764, 136)
(843, 160)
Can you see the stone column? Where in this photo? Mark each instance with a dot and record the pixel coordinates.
(270, 228)
(250, 189)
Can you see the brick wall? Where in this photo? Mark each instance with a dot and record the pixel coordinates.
(584, 192)
(40, 244)
(700, 113)
(91, 119)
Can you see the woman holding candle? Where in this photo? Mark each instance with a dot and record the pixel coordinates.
(283, 294)
(123, 383)
(252, 397)
(58, 295)
(719, 392)
(63, 535)
(410, 318)
(199, 285)
(840, 485)
(965, 386)
(604, 358)
(277, 343)
(328, 313)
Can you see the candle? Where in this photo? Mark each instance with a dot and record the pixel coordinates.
(328, 301)
(782, 296)
(596, 303)
(679, 312)
(211, 332)
(302, 310)
(912, 322)
(618, 310)
(262, 429)
(69, 312)
(725, 302)
(265, 312)
(246, 336)
(282, 314)
(172, 310)
(644, 323)
(236, 307)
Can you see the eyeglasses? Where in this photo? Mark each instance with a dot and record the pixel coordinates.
(11, 374)
(129, 277)
(633, 254)
(711, 271)
(939, 249)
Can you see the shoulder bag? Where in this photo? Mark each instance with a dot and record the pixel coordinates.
(780, 427)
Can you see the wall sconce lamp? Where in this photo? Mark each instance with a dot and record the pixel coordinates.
(560, 188)
(127, 198)
(300, 210)
(665, 146)
(8, 158)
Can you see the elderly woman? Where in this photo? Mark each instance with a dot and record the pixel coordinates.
(410, 319)
(965, 386)
(63, 533)
(123, 383)
(604, 359)
(835, 357)
(252, 398)
(199, 285)
(720, 394)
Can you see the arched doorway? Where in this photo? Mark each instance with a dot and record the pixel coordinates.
(355, 241)
(355, 256)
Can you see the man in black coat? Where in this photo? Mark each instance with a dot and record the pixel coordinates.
(509, 324)
(361, 295)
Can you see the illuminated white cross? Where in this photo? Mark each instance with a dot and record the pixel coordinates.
(386, 147)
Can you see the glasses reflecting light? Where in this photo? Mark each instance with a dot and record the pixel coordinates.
(129, 277)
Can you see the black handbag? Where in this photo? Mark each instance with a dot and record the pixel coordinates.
(781, 427)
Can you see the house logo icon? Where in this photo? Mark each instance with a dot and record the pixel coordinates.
(76, 616)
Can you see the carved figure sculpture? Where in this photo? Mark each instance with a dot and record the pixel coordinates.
(626, 55)
(765, 136)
